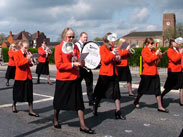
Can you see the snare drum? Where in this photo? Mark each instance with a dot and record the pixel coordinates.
(92, 60)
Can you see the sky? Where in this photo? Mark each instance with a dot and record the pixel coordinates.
(96, 17)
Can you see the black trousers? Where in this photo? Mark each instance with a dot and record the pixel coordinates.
(88, 77)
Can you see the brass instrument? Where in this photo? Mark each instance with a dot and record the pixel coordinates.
(67, 48)
(33, 58)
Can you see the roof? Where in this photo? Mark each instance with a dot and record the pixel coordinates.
(19, 35)
(144, 34)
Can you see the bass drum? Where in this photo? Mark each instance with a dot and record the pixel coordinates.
(92, 60)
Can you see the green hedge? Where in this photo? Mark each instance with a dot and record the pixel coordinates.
(134, 59)
(32, 50)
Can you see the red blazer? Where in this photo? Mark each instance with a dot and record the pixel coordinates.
(174, 60)
(107, 58)
(22, 67)
(11, 58)
(63, 61)
(42, 58)
(124, 58)
(149, 62)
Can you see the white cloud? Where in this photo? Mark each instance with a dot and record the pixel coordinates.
(151, 27)
(96, 17)
(139, 15)
(2, 3)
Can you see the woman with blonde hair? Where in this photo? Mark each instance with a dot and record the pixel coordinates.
(68, 94)
(10, 72)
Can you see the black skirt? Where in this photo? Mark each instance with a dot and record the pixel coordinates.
(43, 68)
(23, 91)
(107, 87)
(149, 85)
(174, 80)
(68, 95)
(124, 74)
(10, 72)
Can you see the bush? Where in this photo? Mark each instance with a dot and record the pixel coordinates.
(134, 59)
(32, 50)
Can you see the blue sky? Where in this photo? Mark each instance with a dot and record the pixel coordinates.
(96, 17)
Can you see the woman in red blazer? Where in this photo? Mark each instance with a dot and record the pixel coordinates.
(150, 81)
(107, 85)
(124, 73)
(10, 72)
(23, 87)
(68, 94)
(174, 79)
(43, 65)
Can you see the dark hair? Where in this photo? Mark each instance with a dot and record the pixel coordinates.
(106, 41)
(44, 41)
(81, 34)
(170, 42)
(148, 41)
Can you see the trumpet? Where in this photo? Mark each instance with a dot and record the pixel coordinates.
(33, 60)
(48, 50)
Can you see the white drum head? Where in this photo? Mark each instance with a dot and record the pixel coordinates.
(92, 61)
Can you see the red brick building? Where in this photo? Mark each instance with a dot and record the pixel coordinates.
(138, 38)
(34, 39)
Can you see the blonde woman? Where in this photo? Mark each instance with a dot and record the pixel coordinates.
(10, 72)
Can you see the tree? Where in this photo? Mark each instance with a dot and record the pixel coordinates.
(179, 30)
(97, 39)
(2, 38)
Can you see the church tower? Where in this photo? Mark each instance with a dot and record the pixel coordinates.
(169, 27)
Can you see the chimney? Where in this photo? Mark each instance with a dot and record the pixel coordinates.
(37, 34)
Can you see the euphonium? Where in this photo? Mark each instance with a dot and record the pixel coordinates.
(67, 48)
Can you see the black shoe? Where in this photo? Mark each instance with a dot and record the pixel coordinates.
(14, 110)
(119, 116)
(7, 84)
(165, 111)
(136, 104)
(58, 126)
(34, 115)
(50, 83)
(180, 104)
(88, 131)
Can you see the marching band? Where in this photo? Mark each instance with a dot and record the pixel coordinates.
(113, 68)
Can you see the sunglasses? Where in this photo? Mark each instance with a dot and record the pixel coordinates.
(71, 37)
(152, 43)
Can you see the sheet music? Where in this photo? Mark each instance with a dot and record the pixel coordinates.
(124, 45)
(83, 56)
